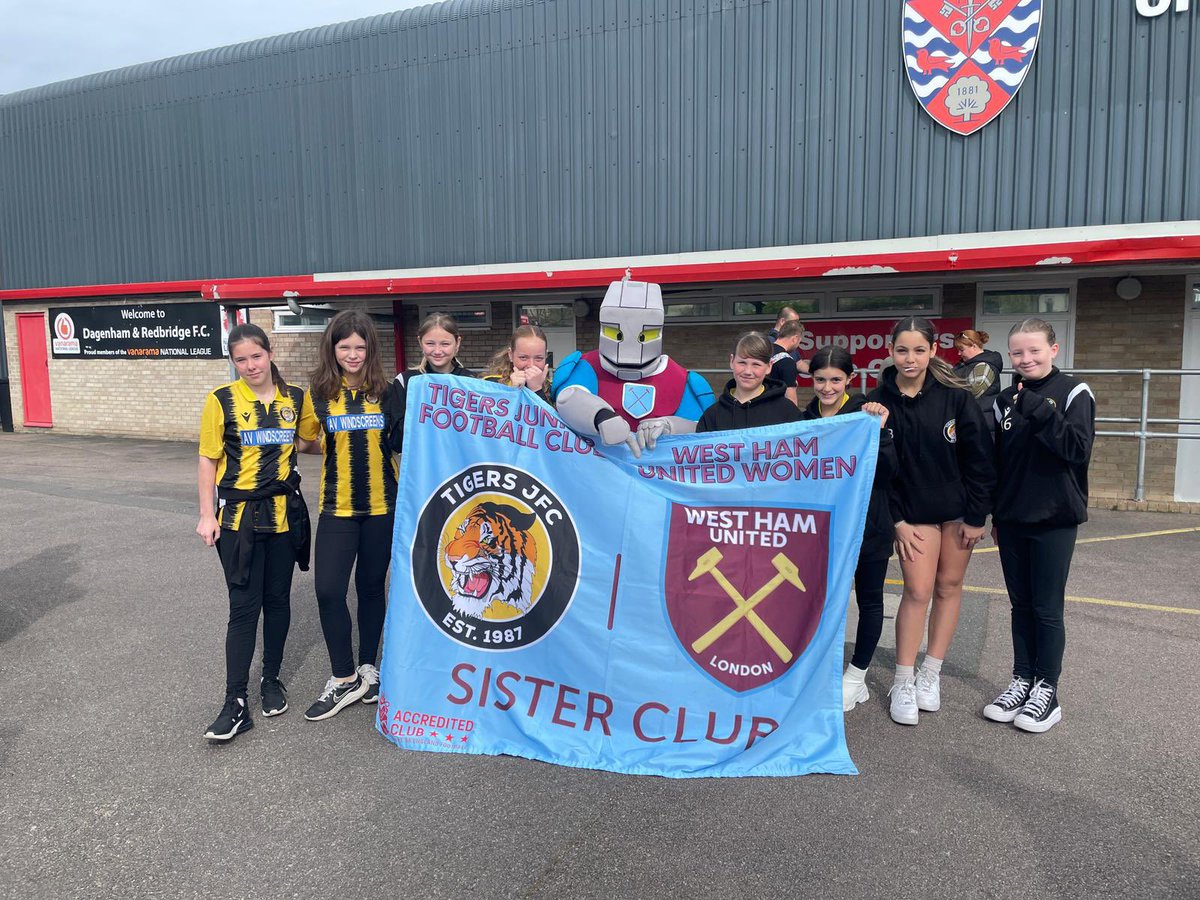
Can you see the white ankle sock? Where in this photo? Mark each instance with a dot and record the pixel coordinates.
(931, 664)
(854, 673)
(904, 673)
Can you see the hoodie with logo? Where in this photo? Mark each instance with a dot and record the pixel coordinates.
(1044, 435)
(771, 407)
(946, 469)
(879, 533)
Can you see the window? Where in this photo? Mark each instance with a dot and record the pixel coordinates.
(884, 303)
(692, 309)
(1026, 302)
(1196, 297)
(312, 319)
(769, 307)
(556, 315)
(468, 316)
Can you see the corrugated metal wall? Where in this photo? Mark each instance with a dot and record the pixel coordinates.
(481, 131)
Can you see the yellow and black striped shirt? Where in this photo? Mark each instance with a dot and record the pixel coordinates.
(359, 474)
(254, 445)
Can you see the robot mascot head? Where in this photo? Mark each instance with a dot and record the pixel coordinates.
(631, 325)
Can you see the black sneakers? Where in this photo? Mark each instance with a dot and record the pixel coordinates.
(1005, 707)
(370, 675)
(234, 719)
(336, 697)
(1041, 711)
(274, 697)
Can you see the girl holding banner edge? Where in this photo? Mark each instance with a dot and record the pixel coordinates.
(348, 392)
(440, 344)
(940, 500)
(248, 432)
(831, 370)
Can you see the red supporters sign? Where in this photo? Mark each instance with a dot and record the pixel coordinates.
(869, 340)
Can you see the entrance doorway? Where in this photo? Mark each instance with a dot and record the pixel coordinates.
(557, 320)
(35, 370)
(1187, 459)
(1003, 306)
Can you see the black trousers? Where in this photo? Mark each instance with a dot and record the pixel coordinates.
(868, 592)
(268, 591)
(1036, 561)
(341, 542)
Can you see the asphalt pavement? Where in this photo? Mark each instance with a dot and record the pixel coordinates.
(111, 665)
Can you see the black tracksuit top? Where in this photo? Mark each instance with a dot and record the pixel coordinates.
(1044, 435)
(770, 407)
(879, 532)
(946, 469)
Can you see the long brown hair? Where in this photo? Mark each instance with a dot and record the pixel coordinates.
(448, 325)
(501, 366)
(249, 332)
(325, 381)
(941, 370)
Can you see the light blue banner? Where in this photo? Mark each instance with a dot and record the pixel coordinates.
(681, 614)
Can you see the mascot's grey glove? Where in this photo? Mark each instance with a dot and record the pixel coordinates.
(651, 430)
(615, 430)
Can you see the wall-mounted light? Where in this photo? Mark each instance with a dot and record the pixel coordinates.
(1129, 288)
(582, 308)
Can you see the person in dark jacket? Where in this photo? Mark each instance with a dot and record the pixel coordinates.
(1045, 429)
(979, 368)
(440, 343)
(940, 500)
(750, 398)
(832, 368)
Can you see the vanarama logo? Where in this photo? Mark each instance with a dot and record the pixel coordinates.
(495, 559)
(64, 340)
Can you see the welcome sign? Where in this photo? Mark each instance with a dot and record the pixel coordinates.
(681, 614)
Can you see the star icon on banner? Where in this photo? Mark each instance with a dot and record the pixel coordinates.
(464, 738)
(434, 733)
(449, 737)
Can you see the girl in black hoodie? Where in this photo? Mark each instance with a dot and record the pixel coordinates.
(440, 343)
(831, 369)
(1045, 429)
(979, 368)
(940, 499)
(750, 398)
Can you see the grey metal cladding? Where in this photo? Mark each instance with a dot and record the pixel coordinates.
(478, 131)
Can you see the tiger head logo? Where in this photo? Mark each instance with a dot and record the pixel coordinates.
(492, 557)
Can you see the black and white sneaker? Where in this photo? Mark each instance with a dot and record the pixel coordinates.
(274, 697)
(1041, 711)
(233, 720)
(370, 675)
(336, 697)
(1005, 707)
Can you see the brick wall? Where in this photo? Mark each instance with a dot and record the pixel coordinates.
(1111, 333)
(93, 396)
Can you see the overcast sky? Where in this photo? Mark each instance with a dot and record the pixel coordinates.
(42, 41)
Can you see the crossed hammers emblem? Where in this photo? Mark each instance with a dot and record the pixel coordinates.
(785, 571)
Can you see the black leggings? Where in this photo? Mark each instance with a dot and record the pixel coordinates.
(268, 591)
(868, 591)
(1036, 561)
(340, 541)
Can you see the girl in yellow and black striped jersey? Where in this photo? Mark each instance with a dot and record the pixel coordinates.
(348, 391)
(248, 434)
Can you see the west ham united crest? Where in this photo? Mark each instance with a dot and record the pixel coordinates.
(745, 588)
(967, 58)
(495, 559)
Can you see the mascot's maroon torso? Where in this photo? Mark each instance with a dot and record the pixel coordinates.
(649, 397)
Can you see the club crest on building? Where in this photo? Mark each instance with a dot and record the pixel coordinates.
(966, 59)
(744, 588)
(495, 558)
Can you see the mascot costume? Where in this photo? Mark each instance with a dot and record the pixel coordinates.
(628, 391)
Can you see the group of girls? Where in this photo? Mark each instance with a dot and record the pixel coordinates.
(938, 477)
(352, 415)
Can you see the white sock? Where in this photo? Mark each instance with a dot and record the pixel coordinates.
(854, 673)
(931, 664)
(904, 673)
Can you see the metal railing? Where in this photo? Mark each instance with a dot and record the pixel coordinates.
(1143, 422)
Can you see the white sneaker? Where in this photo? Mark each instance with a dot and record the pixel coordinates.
(904, 702)
(370, 675)
(854, 691)
(929, 690)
